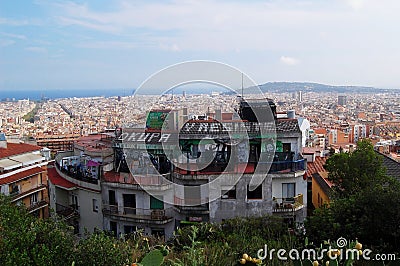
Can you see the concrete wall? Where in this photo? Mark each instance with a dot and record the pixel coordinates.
(300, 188)
(242, 206)
(142, 202)
(89, 219)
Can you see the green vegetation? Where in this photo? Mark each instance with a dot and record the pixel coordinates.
(365, 207)
(30, 116)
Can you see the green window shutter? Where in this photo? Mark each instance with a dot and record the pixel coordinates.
(156, 203)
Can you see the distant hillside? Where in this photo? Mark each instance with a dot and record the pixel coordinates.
(316, 87)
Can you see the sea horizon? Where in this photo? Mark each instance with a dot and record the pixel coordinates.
(36, 95)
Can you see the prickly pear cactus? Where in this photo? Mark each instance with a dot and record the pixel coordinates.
(153, 258)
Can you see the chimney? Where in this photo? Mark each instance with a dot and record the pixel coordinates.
(3, 141)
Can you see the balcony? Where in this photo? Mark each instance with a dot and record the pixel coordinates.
(72, 175)
(126, 180)
(37, 205)
(287, 205)
(288, 166)
(139, 215)
(67, 212)
(17, 195)
(189, 170)
(282, 163)
(191, 206)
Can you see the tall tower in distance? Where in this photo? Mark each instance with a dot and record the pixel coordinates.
(299, 96)
(342, 100)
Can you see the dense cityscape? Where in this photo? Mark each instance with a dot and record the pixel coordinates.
(199, 133)
(335, 120)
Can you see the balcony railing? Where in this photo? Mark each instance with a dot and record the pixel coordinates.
(37, 205)
(191, 206)
(72, 172)
(17, 195)
(246, 168)
(143, 180)
(288, 204)
(288, 166)
(67, 212)
(160, 216)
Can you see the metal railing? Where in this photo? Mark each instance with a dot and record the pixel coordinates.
(37, 205)
(287, 204)
(17, 195)
(191, 201)
(67, 212)
(288, 166)
(143, 180)
(138, 213)
(246, 168)
(73, 173)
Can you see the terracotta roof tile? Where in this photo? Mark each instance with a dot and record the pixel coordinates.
(21, 175)
(317, 166)
(392, 166)
(320, 131)
(17, 148)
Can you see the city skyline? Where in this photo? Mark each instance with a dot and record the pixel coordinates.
(118, 44)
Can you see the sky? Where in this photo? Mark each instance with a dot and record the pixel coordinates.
(105, 44)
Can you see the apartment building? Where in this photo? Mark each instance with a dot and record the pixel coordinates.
(74, 181)
(23, 175)
(156, 179)
(155, 188)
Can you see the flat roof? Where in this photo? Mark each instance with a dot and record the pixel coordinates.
(7, 164)
(27, 159)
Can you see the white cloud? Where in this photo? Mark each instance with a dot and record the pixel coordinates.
(107, 45)
(174, 47)
(65, 21)
(290, 61)
(36, 49)
(13, 22)
(228, 26)
(4, 43)
(14, 36)
(356, 4)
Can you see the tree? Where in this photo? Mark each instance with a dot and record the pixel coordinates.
(26, 240)
(101, 249)
(352, 172)
(365, 205)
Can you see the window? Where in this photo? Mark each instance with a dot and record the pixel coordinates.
(113, 228)
(192, 195)
(228, 193)
(34, 198)
(159, 232)
(94, 205)
(128, 229)
(111, 197)
(74, 202)
(288, 190)
(286, 147)
(255, 194)
(156, 203)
